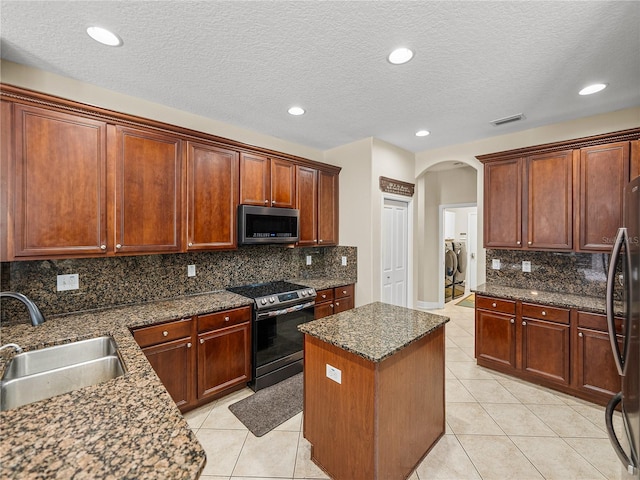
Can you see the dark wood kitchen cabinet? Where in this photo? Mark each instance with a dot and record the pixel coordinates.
(224, 351)
(267, 182)
(169, 349)
(148, 191)
(328, 208)
(212, 197)
(60, 183)
(307, 204)
(635, 160)
(334, 300)
(495, 332)
(603, 174)
(503, 204)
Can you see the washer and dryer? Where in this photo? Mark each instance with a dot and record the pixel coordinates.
(455, 272)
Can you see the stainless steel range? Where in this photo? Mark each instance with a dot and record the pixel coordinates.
(279, 307)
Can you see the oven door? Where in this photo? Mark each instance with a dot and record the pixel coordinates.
(277, 342)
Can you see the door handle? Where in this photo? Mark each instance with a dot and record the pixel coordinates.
(619, 357)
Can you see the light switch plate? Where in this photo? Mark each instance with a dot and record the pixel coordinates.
(495, 264)
(67, 282)
(526, 266)
(191, 270)
(334, 374)
(308, 259)
(344, 261)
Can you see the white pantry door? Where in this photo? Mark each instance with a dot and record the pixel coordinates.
(394, 252)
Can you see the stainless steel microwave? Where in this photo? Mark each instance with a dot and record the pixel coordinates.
(264, 225)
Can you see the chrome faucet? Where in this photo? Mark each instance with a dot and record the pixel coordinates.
(34, 313)
(15, 346)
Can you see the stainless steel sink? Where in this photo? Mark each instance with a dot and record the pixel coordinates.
(45, 373)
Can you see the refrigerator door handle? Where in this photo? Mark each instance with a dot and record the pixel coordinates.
(611, 406)
(621, 238)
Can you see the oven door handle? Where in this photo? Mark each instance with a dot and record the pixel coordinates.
(273, 313)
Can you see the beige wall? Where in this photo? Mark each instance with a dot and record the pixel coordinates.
(45, 82)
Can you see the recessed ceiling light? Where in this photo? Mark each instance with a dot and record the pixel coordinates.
(104, 36)
(296, 111)
(400, 56)
(422, 133)
(595, 88)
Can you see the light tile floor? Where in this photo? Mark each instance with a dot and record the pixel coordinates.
(497, 428)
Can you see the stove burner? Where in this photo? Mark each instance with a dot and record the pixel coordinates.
(273, 295)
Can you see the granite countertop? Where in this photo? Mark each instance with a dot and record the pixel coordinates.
(374, 331)
(556, 299)
(321, 283)
(126, 428)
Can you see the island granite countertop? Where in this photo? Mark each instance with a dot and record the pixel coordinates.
(125, 428)
(555, 299)
(374, 331)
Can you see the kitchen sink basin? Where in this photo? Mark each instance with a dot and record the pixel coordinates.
(45, 373)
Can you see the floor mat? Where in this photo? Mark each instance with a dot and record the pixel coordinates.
(468, 301)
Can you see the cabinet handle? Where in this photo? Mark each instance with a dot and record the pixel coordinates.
(544, 314)
(201, 341)
(512, 320)
(103, 247)
(189, 345)
(494, 305)
(524, 324)
(165, 333)
(191, 244)
(226, 319)
(580, 334)
(118, 246)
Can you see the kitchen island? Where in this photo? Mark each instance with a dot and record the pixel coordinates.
(373, 390)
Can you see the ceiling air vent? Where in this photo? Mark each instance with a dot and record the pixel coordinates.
(512, 118)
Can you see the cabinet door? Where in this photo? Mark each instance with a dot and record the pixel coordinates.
(635, 160)
(283, 183)
(60, 184)
(322, 310)
(327, 208)
(307, 203)
(495, 338)
(545, 349)
(173, 363)
(502, 204)
(148, 191)
(597, 370)
(604, 172)
(342, 304)
(212, 197)
(254, 180)
(550, 201)
(224, 359)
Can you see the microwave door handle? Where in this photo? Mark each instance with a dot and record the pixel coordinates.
(611, 327)
(613, 438)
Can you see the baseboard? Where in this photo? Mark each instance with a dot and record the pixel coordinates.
(428, 305)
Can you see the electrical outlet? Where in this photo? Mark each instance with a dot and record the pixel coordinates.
(191, 270)
(67, 282)
(526, 266)
(495, 264)
(344, 261)
(334, 374)
(308, 259)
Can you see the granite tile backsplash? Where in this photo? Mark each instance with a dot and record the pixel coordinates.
(106, 282)
(572, 273)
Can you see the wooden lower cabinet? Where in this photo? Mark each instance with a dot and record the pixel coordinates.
(334, 300)
(200, 358)
(563, 349)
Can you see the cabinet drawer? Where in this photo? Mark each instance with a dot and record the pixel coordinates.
(496, 304)
(596, 321)
(226, 318)
(345, 291)
(164, 332)
(543, 312)
(324, 295)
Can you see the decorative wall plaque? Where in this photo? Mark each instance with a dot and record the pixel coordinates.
(389, 185)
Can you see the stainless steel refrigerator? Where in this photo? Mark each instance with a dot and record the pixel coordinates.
(624, 269)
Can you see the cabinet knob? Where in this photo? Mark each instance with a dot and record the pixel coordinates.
(337, 304)
(529, 243)
(319, 241)
(165, 333)
(191, 244)
(544, 314)
(266, 202)
(189, 345)
(226, 319)
(344, 292)
(580, 334)
(524, 324)
(494, 305)
(331, 305)
(201, 341)
(103, 247)
(518, 242)
(513, 320)
(324, 296)
(273, 202)
(118, 246)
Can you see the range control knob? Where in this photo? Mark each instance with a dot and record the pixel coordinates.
(303, 293)
(272, 299)
(263, 301)
(310, 291)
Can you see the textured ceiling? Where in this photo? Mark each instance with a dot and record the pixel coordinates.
(245, 63)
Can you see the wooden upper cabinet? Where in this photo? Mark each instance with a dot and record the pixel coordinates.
(327, 208)
(503, 204)
(148, 201)
(307, 204)
(549, 201)
(212, 197)
(254, 180)
(635, 159)
(60, 184)
(603, 174)
(283, 183)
